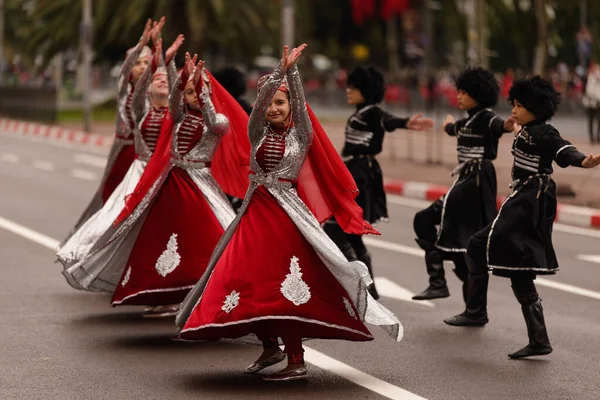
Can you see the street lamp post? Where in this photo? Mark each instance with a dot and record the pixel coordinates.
(86, 44)
(287, 23)
(1, 41)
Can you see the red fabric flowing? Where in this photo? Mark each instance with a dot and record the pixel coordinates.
(158, 162)
(231, 162)
(326, 186)
(230, 165)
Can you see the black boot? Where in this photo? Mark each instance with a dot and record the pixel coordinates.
(475, 313)
(463, 276)
(539, 344)
(365, 257)
(437, 288)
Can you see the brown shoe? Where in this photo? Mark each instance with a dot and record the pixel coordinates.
(293, 375)
(256, 366)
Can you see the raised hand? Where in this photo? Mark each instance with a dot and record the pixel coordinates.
(147, 31)
(418, 123)
(157, 52)
(284, 57)
(294, 55)
(173, 49)
(198, 72)
(449, 120)
(190, 63)
(156, 28)
(591, 161)
(510, 125)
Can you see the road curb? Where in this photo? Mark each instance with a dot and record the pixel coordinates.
(566, 213)
(55, 133)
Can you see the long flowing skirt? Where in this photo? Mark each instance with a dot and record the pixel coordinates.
(276, 265)
(175, 243)
(80, 244)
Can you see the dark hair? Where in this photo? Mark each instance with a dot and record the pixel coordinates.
(537, 95)
(369, 81)
(480, 84)
(233, 80)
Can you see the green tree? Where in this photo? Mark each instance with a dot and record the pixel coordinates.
(237, 28)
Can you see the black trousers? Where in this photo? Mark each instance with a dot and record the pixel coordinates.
(425, 223)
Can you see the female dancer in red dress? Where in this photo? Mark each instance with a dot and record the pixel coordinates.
(82, 269)
(189, 213)
(122, 153)
(275, 272)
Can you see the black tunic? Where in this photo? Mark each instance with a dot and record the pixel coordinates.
(363, 140)
(470, 203)
(520, 238)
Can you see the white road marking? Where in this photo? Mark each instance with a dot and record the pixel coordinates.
(312, 356)
(83, 174)
(358, 377)
(417, 203)
(89, 159)
(389, 288)
(43, 165)
(589, 258)
(29, 234)
(568, 288)
(9, 157)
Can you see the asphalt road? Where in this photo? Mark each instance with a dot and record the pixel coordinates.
(59, 343)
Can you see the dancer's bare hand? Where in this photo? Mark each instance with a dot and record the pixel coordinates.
(591, 161)
(418, 123)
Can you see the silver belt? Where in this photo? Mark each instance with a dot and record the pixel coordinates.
(269, 181)
(189, 164)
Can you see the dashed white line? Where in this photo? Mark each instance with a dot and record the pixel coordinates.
(83, 174)
(88, 159)
(9, 157)
(43, 165)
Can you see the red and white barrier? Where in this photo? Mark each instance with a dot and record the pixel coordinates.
(566, 213)
(42, 131)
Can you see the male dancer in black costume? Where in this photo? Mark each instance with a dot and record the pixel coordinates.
(364, 140)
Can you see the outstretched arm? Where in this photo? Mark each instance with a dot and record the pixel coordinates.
(297, 99)
(265, 95)
(130, 60)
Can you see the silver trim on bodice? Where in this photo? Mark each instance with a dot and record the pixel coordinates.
(214, 126)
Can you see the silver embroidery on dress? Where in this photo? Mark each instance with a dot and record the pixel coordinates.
(293, 287)
(349, 308)
(231, 301)
(126, 277)
(169, 259)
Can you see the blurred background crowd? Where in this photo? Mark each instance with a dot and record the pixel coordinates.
(420, 44)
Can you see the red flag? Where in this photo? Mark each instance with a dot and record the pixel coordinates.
(393, 7)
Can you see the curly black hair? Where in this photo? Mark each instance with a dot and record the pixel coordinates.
(537, 95)
(480, 84)
(232, 80)
(369, 80)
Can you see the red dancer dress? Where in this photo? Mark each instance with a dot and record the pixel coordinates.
(121, 153)
(83, 268)
(187, 217)
(275, 272)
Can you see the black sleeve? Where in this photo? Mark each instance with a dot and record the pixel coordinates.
(496, 126)
(452, 129)
(561, 150)
(390, 122)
